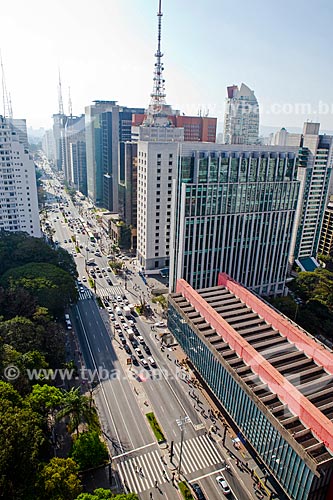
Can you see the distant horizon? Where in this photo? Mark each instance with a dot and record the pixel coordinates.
(107, 48)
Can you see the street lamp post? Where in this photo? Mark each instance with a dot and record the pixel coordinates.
(181, 422)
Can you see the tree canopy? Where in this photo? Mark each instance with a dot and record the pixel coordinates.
(59, 480)
(52, 287)
(89, 451)
(21, 439)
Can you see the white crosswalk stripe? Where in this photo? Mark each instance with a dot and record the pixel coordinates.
(152, 470)
(198, 453)
(109, 291)
(86, 294)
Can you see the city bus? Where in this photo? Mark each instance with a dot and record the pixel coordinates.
(91, 236)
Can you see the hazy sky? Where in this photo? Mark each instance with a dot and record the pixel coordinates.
(105, 50)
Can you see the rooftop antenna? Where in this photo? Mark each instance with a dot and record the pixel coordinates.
(60, 102)
(70, 109)
(7, 103)
(158, 94)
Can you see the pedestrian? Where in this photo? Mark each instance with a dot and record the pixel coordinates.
(156, 483)
(140, 471)
(151, 495)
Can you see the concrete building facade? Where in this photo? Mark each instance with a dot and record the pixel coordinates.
(18, 187)
(241, 119)
(314, 172)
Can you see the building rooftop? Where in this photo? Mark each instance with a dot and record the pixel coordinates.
(287, 372)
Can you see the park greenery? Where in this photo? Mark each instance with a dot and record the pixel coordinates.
(185, 490)
(36, 284)
(155, 426)
(311, 303)
(102, 494)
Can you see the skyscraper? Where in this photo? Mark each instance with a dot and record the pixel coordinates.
(241, 119)
(233, 212)
(75, 164)
(107, 124)
(158, 142)
(18, 188)
(314, 171)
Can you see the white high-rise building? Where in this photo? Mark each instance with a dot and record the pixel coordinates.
(18, 187)
(241, 119)
(158, 143)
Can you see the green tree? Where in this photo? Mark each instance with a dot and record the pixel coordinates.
(21, 439)
(59, 480)
(51, 286)
(103, 494)
(78, 408)
(22, 334)
(89, 451)
(32, 360)
(45, 398)
(18, 249)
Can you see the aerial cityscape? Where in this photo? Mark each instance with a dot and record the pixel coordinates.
(166, 270)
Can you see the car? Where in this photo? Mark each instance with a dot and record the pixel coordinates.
(87, 249)
(146, 348)
(223, 484)
(126, 326)
(81, 289)
(144, 363)
(112, 317)
(122, 340)
(152, 361)
(131, 322)
(141, 339)
(127, 348)
(108, 269)
(160, 324)
(110, 310)
(109, 281)
(119, 298)
(117, 326)
(134, 361)
(79, 282)
(198, 491)
(65, 241)
(84, 278)
(138, 352)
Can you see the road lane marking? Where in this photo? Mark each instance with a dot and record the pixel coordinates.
(100, 382)
(134, 450)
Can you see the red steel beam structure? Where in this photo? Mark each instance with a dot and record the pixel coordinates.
(311, 416)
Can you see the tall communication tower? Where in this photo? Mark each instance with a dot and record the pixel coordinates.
(6, 100)
(70, 107)
(60, 101)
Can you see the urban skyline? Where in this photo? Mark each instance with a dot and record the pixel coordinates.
(65, 38)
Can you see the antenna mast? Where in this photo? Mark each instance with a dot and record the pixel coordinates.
(7, 103)
(70, 108)
(60, 102)
(158, 94)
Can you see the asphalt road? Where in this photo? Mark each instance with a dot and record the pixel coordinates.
(121, 393)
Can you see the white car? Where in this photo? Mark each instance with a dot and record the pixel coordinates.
(223, 485)
(152, 361)
(84, 278)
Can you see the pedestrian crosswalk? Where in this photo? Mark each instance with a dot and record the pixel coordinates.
(110, 292)
(85, 294)
(140, 473)
(198, 453)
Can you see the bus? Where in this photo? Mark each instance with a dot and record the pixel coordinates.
(91, 236)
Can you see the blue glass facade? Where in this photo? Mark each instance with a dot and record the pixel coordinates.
(286, 465)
